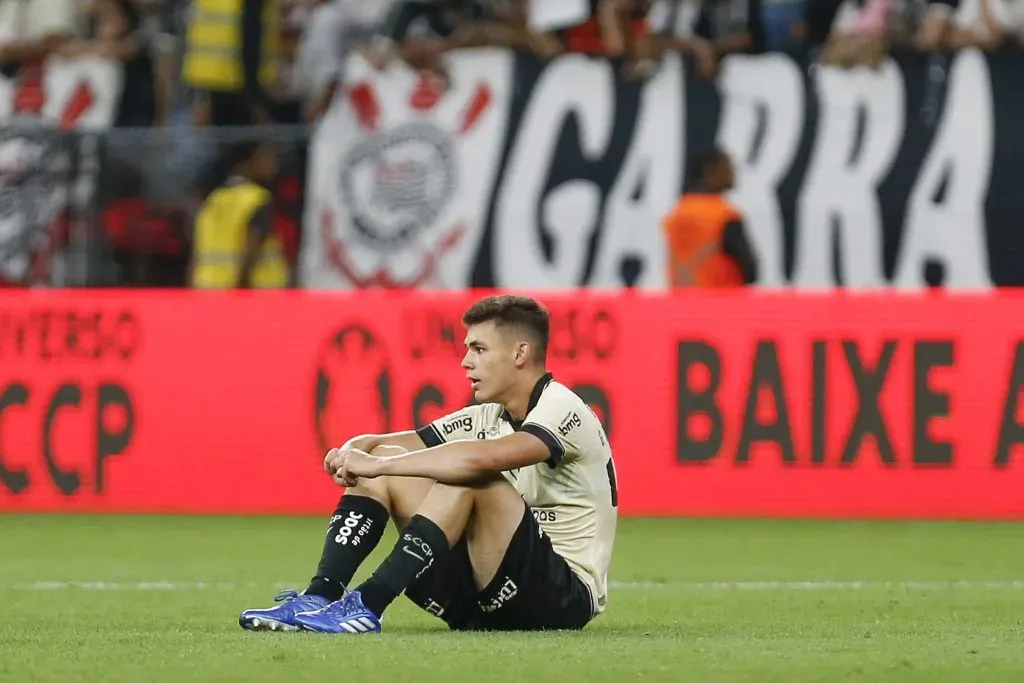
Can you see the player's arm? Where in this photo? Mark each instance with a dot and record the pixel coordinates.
(462, 424)
(407, 440)
(456, 462)
(542, 438)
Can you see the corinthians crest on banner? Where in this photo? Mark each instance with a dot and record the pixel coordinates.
(400, 173)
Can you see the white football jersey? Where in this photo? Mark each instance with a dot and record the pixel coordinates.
(573, 494)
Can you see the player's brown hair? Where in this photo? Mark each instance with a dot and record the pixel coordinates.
(518, 312)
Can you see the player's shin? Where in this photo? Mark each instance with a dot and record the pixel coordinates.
(420, 544)
(355, 530)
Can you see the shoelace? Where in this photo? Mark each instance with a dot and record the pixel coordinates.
(286, 595)
(291, 595)
(335, 608)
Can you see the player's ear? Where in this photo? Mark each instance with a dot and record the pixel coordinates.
(522, 353)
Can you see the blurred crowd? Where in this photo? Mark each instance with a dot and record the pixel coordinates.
(203, 71)
(236, 62)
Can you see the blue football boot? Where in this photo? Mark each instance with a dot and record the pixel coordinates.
(282, 617)
(348, 615)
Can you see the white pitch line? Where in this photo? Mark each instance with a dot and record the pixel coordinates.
(705, 586)
(681, 586)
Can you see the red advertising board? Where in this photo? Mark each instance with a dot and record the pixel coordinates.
(733, 404)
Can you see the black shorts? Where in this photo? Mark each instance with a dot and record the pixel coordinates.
(534, 589)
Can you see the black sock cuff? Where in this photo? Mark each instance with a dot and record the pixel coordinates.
(364, 505)
(431, 533)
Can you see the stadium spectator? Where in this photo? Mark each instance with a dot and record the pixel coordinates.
(288, 99)
(672, 24)
(705, 234)
(231, 60)
(31, 31)
(630, 30)
(936, 24)
(639, 31)
(904, 24)
(172, 17)
(731, 26)
(781, 21)
(858, 36)
(816, 25)
(116, 30)
(319, 61)
(334, 29)
(159, 22)
(986, 24)
(235, 245)
(419, 31)
(609, 28)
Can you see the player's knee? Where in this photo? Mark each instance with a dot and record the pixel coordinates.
(492, 494)
(380, 488)
(481, 487)
(451, 492)
(406, 495)
(372, 488)
(496, 486)
(498, 499)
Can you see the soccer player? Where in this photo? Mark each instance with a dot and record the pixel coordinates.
(506, 510)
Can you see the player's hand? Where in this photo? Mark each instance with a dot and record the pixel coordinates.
(333, 459)
(341, 476)
(334, 463)
(356, 464)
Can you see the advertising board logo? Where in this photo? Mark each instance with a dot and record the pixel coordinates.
(68, 412)
(353, 386)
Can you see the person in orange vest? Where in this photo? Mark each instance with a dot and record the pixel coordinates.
(707, 241)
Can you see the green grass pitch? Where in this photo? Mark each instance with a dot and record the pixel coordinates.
(133, 599)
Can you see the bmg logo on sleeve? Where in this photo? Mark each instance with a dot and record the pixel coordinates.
(571, 422)
(464, 423)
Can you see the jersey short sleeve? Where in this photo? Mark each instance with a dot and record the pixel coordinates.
(462, 425)
(558, 420)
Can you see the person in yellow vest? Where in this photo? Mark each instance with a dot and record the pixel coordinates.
(235, 245)
(231, 60)
(707, 240)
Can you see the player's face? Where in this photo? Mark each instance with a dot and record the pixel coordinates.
(490, 361)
